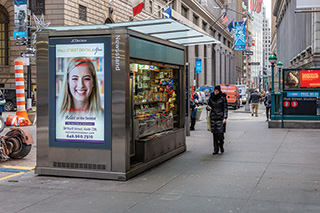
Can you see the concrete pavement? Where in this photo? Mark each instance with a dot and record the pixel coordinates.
(262, 170)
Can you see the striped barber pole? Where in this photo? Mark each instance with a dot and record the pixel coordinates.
(21, 100)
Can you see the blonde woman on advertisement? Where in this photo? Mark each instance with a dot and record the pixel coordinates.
(80, 93)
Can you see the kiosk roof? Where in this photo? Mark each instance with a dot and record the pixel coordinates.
(167, 29)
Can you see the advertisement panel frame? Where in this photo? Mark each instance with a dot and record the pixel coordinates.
(53, 42)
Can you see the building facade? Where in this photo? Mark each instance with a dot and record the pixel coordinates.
(266, 46)
(302, 50)
(219, 60)
(257, 44)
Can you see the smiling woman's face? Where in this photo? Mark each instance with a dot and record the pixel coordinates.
(81, 83)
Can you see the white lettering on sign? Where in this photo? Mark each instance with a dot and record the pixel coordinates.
(117, 55)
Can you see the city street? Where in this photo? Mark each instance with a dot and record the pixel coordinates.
(262, 170)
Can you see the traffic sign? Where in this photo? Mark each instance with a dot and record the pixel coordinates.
(254, 63)
(27, 55)
(247, 53)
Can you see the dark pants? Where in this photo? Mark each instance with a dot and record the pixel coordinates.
(268, 109)
(218, 142)
(193, 123)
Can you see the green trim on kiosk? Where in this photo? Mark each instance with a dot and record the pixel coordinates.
(148, 50)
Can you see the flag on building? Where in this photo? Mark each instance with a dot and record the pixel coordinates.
(167, 13)
(224, 18)
(255, 5)
(231, 26)
(137, 6)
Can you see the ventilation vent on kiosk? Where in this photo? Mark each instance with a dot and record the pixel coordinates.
(79, 166)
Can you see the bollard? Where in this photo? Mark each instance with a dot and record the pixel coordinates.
(20, 93)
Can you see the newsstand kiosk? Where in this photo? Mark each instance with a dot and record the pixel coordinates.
(111, 100)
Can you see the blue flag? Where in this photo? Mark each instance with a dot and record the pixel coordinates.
(231, 26)
(167, 13)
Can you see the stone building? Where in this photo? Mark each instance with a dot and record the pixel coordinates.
(219, 60)
(297, 36)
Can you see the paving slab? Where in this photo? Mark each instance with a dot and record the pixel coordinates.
(262, 170)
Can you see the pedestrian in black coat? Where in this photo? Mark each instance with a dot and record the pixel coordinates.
(218, 107)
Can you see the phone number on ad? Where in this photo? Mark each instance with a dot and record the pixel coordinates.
(80, 136)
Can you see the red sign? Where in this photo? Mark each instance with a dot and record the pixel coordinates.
(294, 104)
(286, 104)
(253, 42)
(310, 78)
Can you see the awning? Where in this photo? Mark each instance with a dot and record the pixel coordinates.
(167, 29)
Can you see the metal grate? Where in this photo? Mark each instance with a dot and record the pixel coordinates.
(88, 166)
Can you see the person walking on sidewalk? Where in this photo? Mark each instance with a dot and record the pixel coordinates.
(193, 108)
(218, 108)
(255, 99)
(2, 99)
(267, 103)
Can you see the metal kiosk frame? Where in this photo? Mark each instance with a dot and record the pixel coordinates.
(111, 157)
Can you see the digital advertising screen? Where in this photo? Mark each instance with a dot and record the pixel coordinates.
(310, 78)
(78, 72)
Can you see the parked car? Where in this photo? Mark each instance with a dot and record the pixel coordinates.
(202, 98)
(11, 98)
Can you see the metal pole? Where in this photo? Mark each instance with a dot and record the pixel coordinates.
(247, 107)
(272, 78)
(187, 124)
(29, 100)
(272, 92)
(281, 105)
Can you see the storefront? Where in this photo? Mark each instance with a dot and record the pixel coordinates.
(111, 100)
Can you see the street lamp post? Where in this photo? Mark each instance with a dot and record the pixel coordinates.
(272, 60)
(280, 65)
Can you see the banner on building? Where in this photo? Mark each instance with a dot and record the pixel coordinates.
(240, 35)
(20, 18)
(198, 65)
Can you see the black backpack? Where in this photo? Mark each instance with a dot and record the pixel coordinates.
(269, 98)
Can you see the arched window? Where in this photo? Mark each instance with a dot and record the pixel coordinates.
(4, 36)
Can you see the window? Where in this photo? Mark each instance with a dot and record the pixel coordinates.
(4, 36)
(184, 11)
(171, 4)
(204, 26)
(196, 50)
(150, 6)
(37, 7)
(213, 32)
(82, 13)
(195, 19)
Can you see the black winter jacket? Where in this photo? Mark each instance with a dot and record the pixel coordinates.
(219, 111)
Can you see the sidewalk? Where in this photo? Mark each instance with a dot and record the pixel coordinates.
(262, 170)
